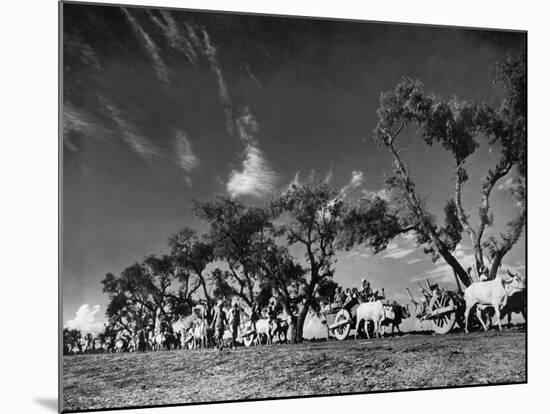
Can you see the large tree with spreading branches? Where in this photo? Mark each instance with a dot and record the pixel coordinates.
(458, 126)
(237, 233)
(312, 218)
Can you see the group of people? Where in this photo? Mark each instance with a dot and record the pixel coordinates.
(221, 321)
(342, 298)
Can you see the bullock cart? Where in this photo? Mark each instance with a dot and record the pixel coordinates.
(444, 308)
(340, 319)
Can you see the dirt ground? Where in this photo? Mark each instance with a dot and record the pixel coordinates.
(312, 368)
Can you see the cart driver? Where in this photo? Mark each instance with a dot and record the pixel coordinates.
(483, 273)
(366, 291)
(338, 297)
(434, 289)
(255, 312)
(272, 317)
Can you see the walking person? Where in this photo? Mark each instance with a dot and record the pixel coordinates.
(219, 323)
(235, 323)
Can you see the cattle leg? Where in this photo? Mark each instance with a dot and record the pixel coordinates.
(497, 313)
(479, 314)
(357, 327)
(466, 316)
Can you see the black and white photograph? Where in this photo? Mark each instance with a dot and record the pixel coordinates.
(258, 207)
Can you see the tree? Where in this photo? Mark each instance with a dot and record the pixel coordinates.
(281, 277)
(314, 219)
(237, 233)
(145, 294)
(457, 125)
(191, 255)
(130, 304)
(506, 126)
(71, 338)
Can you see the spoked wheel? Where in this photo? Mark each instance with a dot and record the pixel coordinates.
(443, 323)
(190, 344)
(342, 332)
(249, 336)
(280, 336)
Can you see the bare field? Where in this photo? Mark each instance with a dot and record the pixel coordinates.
(182, 376)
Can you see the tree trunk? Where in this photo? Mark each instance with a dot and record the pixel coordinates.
(497, 262)
(301, 321)
(417, 209)
(293, 329)
(451, 261)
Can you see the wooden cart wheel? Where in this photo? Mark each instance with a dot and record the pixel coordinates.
(280, 336)
(249, 334)
(342, 332)
(443, 323)
(249, 339)
(190, 343)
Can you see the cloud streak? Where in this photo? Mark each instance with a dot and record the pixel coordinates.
(252, 76)
(186, 158)
(176, 39)
(507, 185)
(357, 179)
(150, 47)
(384, 194)
(79, 122)
(138, 143)
(393, 251)
(197, 42)
(256, 178)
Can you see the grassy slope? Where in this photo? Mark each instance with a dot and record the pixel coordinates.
(413, 361)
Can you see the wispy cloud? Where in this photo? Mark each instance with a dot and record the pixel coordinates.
(295, 181)
(412, 261)
(79, 48)
(74, 121)
(442, 273)
(256, 178)
(85, 320)
(357, 179)
(80, 122)
(200, 39)
(247, 126)
(328, 177)
(137, 142)
(359, 254)
(151, 48)
(393, 251)
(253, 77)
(185, 156)
(384, 194)
(507, 185)
(176, 39)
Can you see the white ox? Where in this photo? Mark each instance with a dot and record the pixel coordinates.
(263, 328)
(375, 312)
(200, 337)
(493, 293)
(516, 302)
